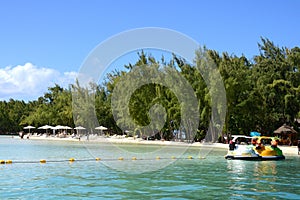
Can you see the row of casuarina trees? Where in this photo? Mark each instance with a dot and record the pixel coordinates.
(262, 93)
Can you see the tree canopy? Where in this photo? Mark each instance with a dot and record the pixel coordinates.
(262, 93)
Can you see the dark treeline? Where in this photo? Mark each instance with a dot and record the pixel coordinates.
(262, 94)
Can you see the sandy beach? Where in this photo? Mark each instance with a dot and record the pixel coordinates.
(287, 150)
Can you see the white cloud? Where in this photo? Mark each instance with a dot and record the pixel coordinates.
(28, 82)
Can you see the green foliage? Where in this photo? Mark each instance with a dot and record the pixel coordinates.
(261, 94)
(54, 108)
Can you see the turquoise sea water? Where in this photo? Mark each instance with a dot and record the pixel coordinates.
(209, 178)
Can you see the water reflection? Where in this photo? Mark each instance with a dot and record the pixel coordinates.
(258, 169)
(252, 177)
(265, 168)
(236, 170)
(236, 167)
(265, 174)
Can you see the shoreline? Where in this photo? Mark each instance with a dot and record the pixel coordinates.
(287, 150)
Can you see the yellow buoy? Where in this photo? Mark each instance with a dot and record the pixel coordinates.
(8, 162)
(120, 158)
(2, 161)
(173, 157)
(42, 161)
(72, 159)
(98, 159)
(133, 158)
(157, 158)
(190, 157)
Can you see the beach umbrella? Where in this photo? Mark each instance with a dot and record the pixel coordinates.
(45, 127)
(57, 127)
(29, 127)
(101, 128)
(67, 128)
(285, 129)
(78, 128)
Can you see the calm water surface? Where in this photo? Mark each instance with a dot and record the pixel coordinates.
(209, 178)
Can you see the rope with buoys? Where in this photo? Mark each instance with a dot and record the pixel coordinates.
(43, 161)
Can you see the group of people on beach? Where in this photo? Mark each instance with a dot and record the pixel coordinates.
(22, 134)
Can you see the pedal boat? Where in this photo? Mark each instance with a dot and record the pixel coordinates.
(262, 152)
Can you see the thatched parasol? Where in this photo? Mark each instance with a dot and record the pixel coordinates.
(285, 129)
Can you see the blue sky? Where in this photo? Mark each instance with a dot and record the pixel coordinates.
(51, 38)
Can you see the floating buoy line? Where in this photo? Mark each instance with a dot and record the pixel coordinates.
(44, 161)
